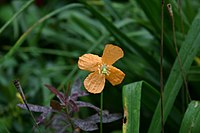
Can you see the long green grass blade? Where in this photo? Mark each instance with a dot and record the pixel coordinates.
(4, 121)
(191, 119)
(187, 53)
(15, 15)
(131, 104)
(138, 93)
(24, 36)
(194, 74)
(122, 38)
(152, 9)
(111, 10)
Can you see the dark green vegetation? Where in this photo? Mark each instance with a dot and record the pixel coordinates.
(42, 42)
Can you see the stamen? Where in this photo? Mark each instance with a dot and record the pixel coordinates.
(99, 68)
(104, 69)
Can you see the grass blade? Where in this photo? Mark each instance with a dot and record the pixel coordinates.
(122, 38)
(131, 103)
(187, 53)
(23, 36)
(15, 15)
(134, 95)
(191, 119)
(194, 74)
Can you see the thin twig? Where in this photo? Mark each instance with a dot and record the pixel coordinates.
(161, 66)
(169, 7)
(101, 115)
(69, 118)
(20, 90)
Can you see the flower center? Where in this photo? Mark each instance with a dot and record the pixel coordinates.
(104, 69)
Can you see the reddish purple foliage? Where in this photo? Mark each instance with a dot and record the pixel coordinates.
(62, 111)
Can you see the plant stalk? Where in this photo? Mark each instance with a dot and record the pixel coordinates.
(161, 67)
(101, 113)
(177, 51)
(15, 15)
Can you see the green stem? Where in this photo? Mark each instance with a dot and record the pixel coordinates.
(16, 14)
(161, 66)
(183, 73)
(20, 90)
(101, 107)
(69, 118)
(24, 35)
(72, 73)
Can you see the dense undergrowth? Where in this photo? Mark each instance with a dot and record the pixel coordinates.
(42, 43)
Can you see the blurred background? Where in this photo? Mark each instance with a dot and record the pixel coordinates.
(41, 48)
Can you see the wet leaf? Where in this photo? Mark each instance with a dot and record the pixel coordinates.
(85, 125)
(76, 87)
(42, 117)
(55, 105)
(59, 95)
(85, 104)
(59, 123)
(76, 90)
(36, 108)
(73, 105)
(106, 117)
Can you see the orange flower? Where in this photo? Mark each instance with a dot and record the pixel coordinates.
(101, 68)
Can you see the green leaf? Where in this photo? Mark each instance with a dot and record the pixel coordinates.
(134, 95)
(191, 120)
(24, 35)
(194, 74)
(187, 53)
(121, 37)
(5, 123)
(16, 15)
(111, 10)
(131, 104)
(152, 9)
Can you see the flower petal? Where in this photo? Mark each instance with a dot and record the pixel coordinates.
(111, 54)
(95, 82)
(115, 75)
(89, 62)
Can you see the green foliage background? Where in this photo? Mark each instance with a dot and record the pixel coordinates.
(42, 43)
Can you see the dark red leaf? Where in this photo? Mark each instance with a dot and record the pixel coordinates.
(74, 107)
(85, 104)
(36, 108)
(55, 105)
(106, 117)
(42, 117)
(77, 94)
(76, 86)
(59, 95)
(85, 125)
(59, 123)
(76, 90)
